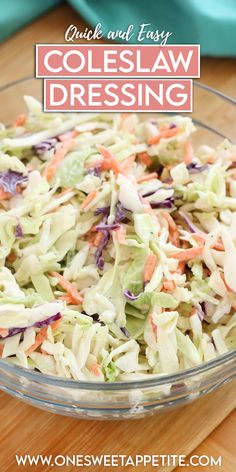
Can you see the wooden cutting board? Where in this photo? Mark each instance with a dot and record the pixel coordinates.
(27, 430)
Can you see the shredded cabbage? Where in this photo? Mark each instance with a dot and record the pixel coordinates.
(117, 251)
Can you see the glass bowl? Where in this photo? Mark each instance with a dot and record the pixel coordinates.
(214, 116)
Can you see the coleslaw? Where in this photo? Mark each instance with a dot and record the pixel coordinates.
(117, 245)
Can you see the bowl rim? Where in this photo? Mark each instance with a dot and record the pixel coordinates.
(159, 380)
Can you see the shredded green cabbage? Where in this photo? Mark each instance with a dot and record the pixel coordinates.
(117, 250)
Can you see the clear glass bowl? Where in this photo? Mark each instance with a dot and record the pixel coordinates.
(215, 117)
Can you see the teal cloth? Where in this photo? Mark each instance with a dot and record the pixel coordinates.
(14, 14)
(210, 23)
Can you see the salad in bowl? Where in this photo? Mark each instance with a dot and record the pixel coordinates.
(117, 246)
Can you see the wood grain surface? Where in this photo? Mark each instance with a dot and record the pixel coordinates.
(190, 429)
(26, 430)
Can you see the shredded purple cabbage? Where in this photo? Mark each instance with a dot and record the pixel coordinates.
(102, 211)
(125, 331)
(200, 314)
(110, 227)
(14, 331)
(172, 125)
(38, 324)
(191, 226)
(98, 254)
(95, 171)
(129, 295)
(168, 203)
(203, 307)
(99, 260)
(10, 179)
(48, 321)
(94, 316)
(45, 146)
(120, 213)
(148, 194)
(19, 232)
(195, 168)
(106, 228)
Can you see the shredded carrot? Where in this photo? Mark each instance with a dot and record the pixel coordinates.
(211, 159)
(152, 324)
(127, 163)
(169, 285)
(170, 221)
(173, 231)
(3, 332)
(20, 121)
(228, 288)
(54, 325)
(98, 239)
(168, 133)
(96, 369)
(200, 237)
(59, 155)
(68, 135)
(110, 161)
(1, 349)
(69, 287)
(4, 195)
(40, 337)
(149, 267)
(218, 245)
(144, 158)
(174, 238)
(45, 353)
(64, 192)
(11, 257)
(146, 178)
(188, 254)
(90, 237)
(67, 299)
(120, 234)
(88, 199)
(193, 312)
(181, 268)
(93, 228)
(188, 151)
(164, 127)
(7, 195)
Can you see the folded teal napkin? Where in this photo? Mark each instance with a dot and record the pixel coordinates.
(18, 13)
(211, 23)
